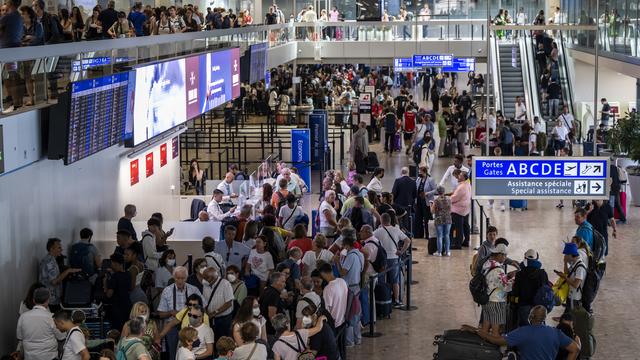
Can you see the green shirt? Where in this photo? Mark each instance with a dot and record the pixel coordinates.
(442, 127)
(135, 351)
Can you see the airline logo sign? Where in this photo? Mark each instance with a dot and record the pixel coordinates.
(584, 178)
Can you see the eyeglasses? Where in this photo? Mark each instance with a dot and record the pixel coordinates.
(194, 316)
(192, 304)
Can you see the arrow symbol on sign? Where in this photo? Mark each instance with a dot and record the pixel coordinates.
(597, 186)
(598, 168)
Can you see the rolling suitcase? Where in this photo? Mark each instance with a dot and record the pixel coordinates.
(518, 204)
(397, 142)
(583, 325)
(384, 306)
(372, 161)
(432, 245)
(463, 345)
(623, 205)
(77, 292)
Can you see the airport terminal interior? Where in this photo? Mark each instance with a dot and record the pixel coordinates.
(318, 179)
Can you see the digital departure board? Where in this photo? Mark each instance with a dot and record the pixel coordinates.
(98, 114)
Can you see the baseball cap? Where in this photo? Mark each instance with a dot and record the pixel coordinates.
(570, 249)
(531, 254)
(499, 249)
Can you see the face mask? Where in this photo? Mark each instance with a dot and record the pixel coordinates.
(306, 321)
(145, 317)
(299, 261)
(171, 262)
(202, 269)
(194, 322)
(343, 252)
(231, 278)
(256, 311)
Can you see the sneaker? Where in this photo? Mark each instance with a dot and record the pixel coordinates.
(448, 254)
(437, 254)
(398, 305)
(502, 208)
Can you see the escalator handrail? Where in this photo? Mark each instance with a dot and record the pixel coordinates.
(497, 78)
(564, 72)
(530, 74)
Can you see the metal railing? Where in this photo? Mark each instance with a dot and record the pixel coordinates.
(40, 72)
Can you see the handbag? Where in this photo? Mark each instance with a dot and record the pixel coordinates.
(561, 289)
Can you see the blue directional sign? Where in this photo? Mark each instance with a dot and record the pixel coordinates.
(540, 178)
(461, 65)
(301, 153)
(436, 60)
(402, 64)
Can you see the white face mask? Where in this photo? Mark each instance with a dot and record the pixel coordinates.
(306, 321)
(202, 269)
(343, 252)
(145, 317)
(299, 261)
(256, 311)
(171, 262)
(231, 278)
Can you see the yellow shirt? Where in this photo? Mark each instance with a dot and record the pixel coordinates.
(183, 317)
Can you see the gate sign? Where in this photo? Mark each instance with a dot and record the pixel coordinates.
(461, 65)
(433, 60)
(403, 64)
(584, 178)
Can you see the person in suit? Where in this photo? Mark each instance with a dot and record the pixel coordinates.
(426, 188)
(405, 193)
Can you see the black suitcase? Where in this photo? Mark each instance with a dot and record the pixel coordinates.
(384, 305)
(77, 292)
(432, 245)
(463, 345)
(372, 161)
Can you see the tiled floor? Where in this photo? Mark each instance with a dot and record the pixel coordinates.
(444, 302)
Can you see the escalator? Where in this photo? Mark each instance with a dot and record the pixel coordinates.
(511, 84)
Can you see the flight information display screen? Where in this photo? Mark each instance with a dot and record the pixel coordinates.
(98, 115)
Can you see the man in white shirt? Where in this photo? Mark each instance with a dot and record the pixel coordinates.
(214, 260)
(292, 184)
(74, 347)
(537, 125)
(575, 271)
(424, 15)
(335, 294)
(205, 334)
(218, 297)
(560, 136)
(567, 119)
(226, 187)
(521, 110)
(390, 237)
(289, 213)
(36, 330)
(214, 209)
(448, 175)
(371, 245)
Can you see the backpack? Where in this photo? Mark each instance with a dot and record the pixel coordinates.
(379, 264)
(282, 201)
(121, 353)
(541, 141)
(79, 258)
(506, 136)
(475, 259)
(546, 297)
(417, 153)
(302, 219)
(478, 287)
(595, 269)
(304, 353)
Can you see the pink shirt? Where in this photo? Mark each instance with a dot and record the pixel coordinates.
(333, 15)
(461, 199)
(335, 299)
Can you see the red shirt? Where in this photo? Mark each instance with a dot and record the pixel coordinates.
(304, 244)
(409, 121)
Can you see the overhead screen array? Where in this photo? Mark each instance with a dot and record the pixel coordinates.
(170, 93)
(137, 105)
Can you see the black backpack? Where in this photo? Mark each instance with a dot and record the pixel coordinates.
(282, 201)
(595, 269)
(379, 264)
(478, 287)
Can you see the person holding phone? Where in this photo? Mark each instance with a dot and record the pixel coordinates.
(499, 283)
(575, 271)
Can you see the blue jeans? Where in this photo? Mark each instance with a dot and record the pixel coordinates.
(553, 107)
(393, 275)
(443, 237)
(364, 304)
(172, 342)
(353, 332)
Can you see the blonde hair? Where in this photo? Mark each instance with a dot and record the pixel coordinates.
(137, 309)
(224, 345)
(187, 334)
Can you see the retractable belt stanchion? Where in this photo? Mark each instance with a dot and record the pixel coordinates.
(372, 333)
(408, 282)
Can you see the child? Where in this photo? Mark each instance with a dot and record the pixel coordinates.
(225, 347)
(187, 337)
(351, 173)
